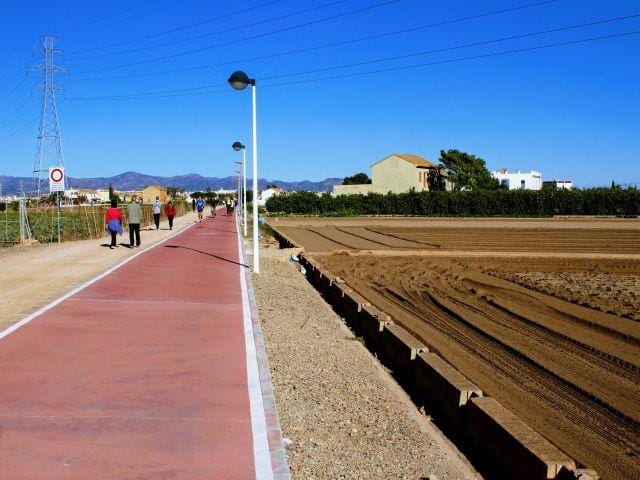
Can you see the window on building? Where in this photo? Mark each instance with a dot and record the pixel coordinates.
(522, 184)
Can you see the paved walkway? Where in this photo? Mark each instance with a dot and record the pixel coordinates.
(150, 372)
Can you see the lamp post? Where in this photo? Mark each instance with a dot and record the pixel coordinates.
(239, 81)
(238, 146)
(237, 172)
(239, 191)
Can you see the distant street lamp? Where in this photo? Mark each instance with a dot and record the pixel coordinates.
(237, 146)
(239, 81)
(239, 192)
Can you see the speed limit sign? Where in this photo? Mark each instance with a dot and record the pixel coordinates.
(56, 179)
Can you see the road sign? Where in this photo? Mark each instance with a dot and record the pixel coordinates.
(56, 179)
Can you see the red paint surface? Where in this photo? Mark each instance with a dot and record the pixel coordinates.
(142, 375)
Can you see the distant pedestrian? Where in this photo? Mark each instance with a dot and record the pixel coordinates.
(157, 210)
(193, 204)
(134, 214)
(213, 202)
(170, 212)
(200, 207)
(227, 202)
(113, 221)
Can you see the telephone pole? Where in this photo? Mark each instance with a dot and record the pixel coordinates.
(49, 150)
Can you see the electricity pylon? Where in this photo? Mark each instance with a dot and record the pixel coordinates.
(49, 150)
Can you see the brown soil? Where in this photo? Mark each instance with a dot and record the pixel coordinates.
(559, 240)
(568, 371)
(553, 339)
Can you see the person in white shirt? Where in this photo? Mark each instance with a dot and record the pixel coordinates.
(157, 210)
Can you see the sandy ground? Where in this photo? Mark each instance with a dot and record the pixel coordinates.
(344, 415)
(34, 276)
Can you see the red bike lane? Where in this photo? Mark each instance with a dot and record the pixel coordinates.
(140, 375)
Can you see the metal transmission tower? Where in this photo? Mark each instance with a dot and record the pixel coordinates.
(49, 151)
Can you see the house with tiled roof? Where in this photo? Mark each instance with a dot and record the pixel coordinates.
(399, 173)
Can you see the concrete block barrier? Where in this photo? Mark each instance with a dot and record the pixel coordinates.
(443, 389)
(337, 292)
(399, 348)
(370, 323)
(504, 443)
(326, 281)
(352, 304)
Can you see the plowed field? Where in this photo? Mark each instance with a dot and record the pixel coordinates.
(541, 314)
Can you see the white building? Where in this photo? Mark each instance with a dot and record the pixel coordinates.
(519, 180)
(266, 194)
(566, 184)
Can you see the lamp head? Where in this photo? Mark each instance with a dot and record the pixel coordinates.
(237, 146)
(240, 80)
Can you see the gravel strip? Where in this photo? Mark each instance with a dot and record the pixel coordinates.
(345, 416)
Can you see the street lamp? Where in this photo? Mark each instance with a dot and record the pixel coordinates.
(239, 81)
(237, 172)
(239, 191)
(237, 146)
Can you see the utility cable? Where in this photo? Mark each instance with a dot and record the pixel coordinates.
(399, 57)
(456, 47)
(173, 30)
(252, 37)
(319, 47)
(106, 17)
(23, 127)
(151, 95)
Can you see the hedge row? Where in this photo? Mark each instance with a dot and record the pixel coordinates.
(546, 202)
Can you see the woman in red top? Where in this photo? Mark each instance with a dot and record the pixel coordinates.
(170, 212)
(113, 221)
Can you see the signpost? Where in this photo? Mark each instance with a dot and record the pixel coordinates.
(56, 184)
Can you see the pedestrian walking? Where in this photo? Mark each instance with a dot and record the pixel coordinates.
(200, 207)
(113, 222)
(227, 202)
(170, 212)
(213, 202)
(134, 214)
(157, 210)
(193, 204)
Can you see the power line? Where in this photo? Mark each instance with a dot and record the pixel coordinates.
(373, 72)
(210, 34)
(20, 129)
(173, 30)
(324, 46)
(460, 59)
(253, 37)
(6, 120)
(398, 57)
(106, 17)
(457, 47)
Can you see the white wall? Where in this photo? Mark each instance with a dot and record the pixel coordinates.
(532, 180)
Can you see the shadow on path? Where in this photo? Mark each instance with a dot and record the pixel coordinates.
(209, 254)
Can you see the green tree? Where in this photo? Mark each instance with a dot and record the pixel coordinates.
(112, 194)
(174, 191)
(467, 171)
(357, 179)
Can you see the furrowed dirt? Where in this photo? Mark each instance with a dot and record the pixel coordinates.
(555, 340)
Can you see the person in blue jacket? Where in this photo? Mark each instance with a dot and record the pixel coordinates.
(200, 207)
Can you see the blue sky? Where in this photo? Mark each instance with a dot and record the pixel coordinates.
(569, 111)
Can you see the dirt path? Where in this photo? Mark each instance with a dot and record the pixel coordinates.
(32, 277)
(344, 415)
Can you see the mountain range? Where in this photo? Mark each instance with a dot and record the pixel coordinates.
(191, 182)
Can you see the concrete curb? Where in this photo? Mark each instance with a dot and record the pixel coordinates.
(279, 462)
